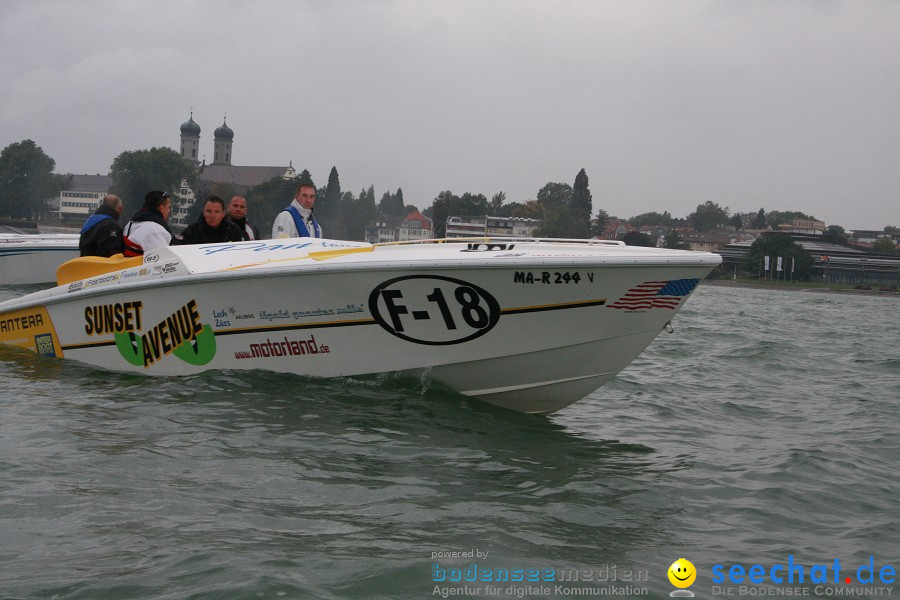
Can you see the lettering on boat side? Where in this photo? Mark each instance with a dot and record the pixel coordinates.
(487, 247)
(29, 321)
(433, 310)
(103, 279)
(546, 277)
(32, 329)
(270, 246)
(283, 347)
(181, 333)
(285, 313)
(112, 318)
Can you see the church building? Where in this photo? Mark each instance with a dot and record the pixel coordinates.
(221, 170)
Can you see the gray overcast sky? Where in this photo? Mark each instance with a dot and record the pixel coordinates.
(779, 104)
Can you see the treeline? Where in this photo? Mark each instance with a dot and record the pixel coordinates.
(27, 181)
(710, 215)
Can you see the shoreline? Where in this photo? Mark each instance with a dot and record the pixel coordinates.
(788, 288)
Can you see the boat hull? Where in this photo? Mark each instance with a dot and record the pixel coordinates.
(527, 336)
(31, 259)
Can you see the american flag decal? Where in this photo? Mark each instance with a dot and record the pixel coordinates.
(656, 294)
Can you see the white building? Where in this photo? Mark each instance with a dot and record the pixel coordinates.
(393, 228)
(462, 226)
(80, 196)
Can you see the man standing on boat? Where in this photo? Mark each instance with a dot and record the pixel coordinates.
(297, 219)
(101, 234)
(147, 229)
(237, 212)
(213, 227)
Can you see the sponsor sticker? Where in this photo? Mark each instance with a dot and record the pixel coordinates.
(31, 329)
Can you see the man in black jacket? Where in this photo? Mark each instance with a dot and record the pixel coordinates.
(212, 227)
(237, 212)
(101, 234)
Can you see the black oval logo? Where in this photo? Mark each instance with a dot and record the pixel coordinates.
(433, 310)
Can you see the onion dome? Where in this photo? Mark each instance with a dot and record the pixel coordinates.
(224, 132)
(189, 127)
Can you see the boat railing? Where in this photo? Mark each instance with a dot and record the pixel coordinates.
(504, 240)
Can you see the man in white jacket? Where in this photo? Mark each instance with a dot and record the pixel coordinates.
(147, 229)
(297, 219)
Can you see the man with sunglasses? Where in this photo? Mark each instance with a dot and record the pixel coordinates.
(147, 229)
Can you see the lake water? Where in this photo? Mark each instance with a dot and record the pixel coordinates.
(763, 431)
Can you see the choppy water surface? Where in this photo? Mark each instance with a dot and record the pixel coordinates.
(765, 426)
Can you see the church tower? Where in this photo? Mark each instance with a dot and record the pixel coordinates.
(190, 140)
(222, 144)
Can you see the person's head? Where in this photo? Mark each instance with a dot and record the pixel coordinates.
(214, 211)
(114, 202)
(237, 208)
(306, 195)
(159, 201)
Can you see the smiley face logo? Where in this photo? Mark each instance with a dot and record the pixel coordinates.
(682, 573)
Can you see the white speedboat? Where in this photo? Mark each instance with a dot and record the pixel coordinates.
(531, 325)
(34, 258)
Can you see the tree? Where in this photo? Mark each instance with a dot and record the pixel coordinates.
(268, 199)
(392, 204)
(447, 203)
(835, 234)
(473, 205)
(885, 245)
(674, 241)
(582, 204)
(558, 222)
(708, 216)
(774, 246)
(776, 218)
(555, 194)
(362, 211)
(891, 229)
(497, 203)
(737, 221)
(385, 205)
(331, 212)
(531, 209)
(651, 218)
(304, 179)
(636, 238)
(26, 180)
(601, 222)
(137, 172)
(441, 208)
(760, 221)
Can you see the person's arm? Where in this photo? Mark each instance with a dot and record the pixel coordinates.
(185, 237)
(158, 238)
(110, 241)
(235, 235)
(283, 227)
